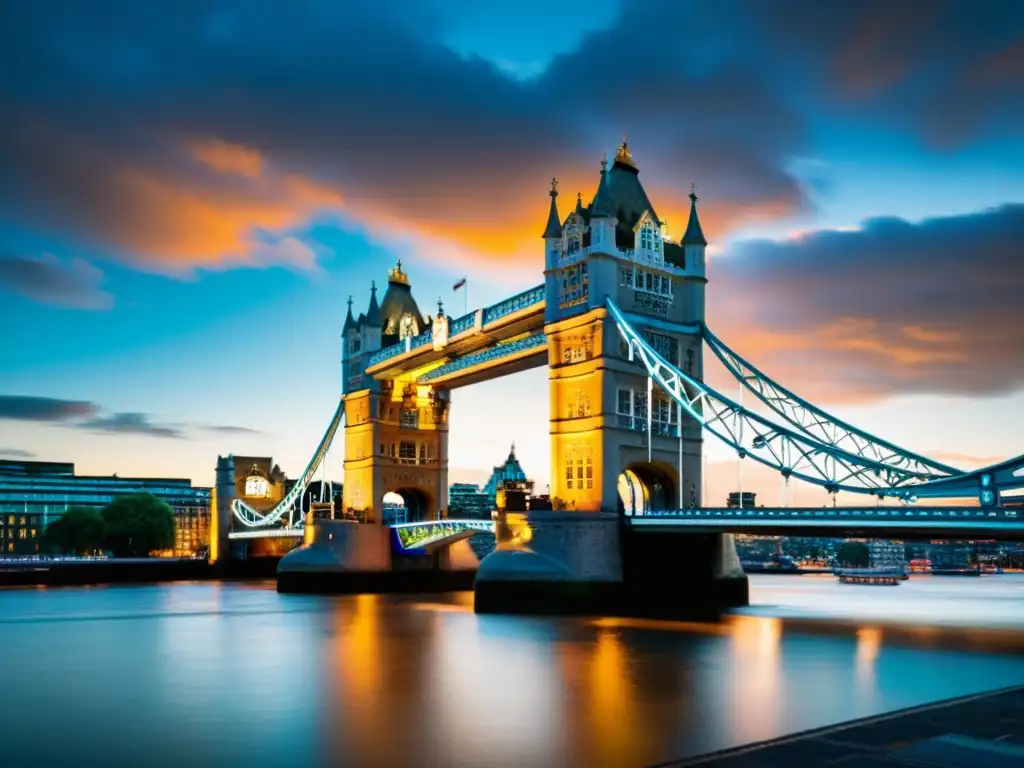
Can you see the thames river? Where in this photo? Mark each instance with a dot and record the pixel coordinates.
(209, 674)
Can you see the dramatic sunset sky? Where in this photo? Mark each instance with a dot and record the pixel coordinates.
(189, 191)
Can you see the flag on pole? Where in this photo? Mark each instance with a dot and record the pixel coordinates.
(460, 284)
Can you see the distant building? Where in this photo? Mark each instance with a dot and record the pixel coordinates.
(467, 500)
(886, 554)
(733, 502)
(35, 493)
(509, 471)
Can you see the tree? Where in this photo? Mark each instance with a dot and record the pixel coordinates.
(79, 531)
(138, 524)
(854, 554)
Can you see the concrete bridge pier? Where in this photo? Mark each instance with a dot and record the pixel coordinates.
(345, 557)
(594, 564)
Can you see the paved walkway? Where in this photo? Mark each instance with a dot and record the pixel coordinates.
(981, 731)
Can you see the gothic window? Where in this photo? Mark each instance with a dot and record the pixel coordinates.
(568, 472)
(666, 346)
(595, 235)
(407, 452)
(423, 453)
(689, 361)
(626, 277)
(408, 420)
(590, 472)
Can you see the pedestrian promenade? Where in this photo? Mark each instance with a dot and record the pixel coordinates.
(980, 731)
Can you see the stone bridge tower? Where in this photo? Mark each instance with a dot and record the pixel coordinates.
(602, 407)
(396, 432)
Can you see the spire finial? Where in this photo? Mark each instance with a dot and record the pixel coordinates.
(604, 162)
(554, 187)
(350, 302)
(693, 191)
(579, 197)
(440, 307)
(373, 286)
(624, 157)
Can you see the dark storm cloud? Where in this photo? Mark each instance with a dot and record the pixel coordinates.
(398, 129)
(948, 70)
(894, 306)
(44, 409)
(47, 280)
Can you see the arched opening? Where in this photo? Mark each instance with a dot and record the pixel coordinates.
(646, 487)
(405, 505)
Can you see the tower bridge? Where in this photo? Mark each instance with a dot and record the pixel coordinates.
(619, 321)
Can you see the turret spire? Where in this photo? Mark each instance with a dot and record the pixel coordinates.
(373, 316)
(350, 321)
(602, 205)
(554, 226)
(694, 235)
(579, 202)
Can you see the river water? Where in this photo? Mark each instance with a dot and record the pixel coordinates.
(195, 675)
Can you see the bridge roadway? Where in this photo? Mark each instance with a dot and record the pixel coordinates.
(869, 522)
(877, 522)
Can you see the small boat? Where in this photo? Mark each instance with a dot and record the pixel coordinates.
(888, 577)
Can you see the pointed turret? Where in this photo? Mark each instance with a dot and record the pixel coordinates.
(579, 204)
(693, 235)
(373, 316)
(350, 321)
(602, 207)
(554, 227)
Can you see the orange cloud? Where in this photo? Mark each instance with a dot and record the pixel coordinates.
(228, 158)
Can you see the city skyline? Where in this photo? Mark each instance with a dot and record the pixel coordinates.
(190, 205)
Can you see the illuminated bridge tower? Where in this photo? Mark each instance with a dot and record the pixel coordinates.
(618, 444)
(396, 432)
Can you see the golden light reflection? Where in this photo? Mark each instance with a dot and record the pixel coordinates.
(613, 703)
(358, 647)
(869, 643)
(756, 677)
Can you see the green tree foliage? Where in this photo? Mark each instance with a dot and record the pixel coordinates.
(854, 554)
(79, 531)
(138, 524)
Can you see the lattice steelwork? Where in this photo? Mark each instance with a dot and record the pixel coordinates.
(422, 534)
(254, 519)
(820, 425)
(792, 453)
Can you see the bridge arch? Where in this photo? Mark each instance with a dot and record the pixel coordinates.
(407, 504)
(644, 486)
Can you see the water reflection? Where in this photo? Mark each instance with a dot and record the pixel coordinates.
(220, 675)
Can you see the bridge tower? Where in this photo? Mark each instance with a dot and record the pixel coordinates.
(396, 432)
(618, 444)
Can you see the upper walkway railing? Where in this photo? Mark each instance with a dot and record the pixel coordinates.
(528, 298)
(494, 354)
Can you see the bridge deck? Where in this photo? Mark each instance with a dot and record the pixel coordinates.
(831, 521)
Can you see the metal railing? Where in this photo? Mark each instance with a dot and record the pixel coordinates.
(536, 340)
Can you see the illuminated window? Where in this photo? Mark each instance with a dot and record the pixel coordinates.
(257, 487)
(407, 327)
(409, 420)
(21, 533)
(21, 521)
